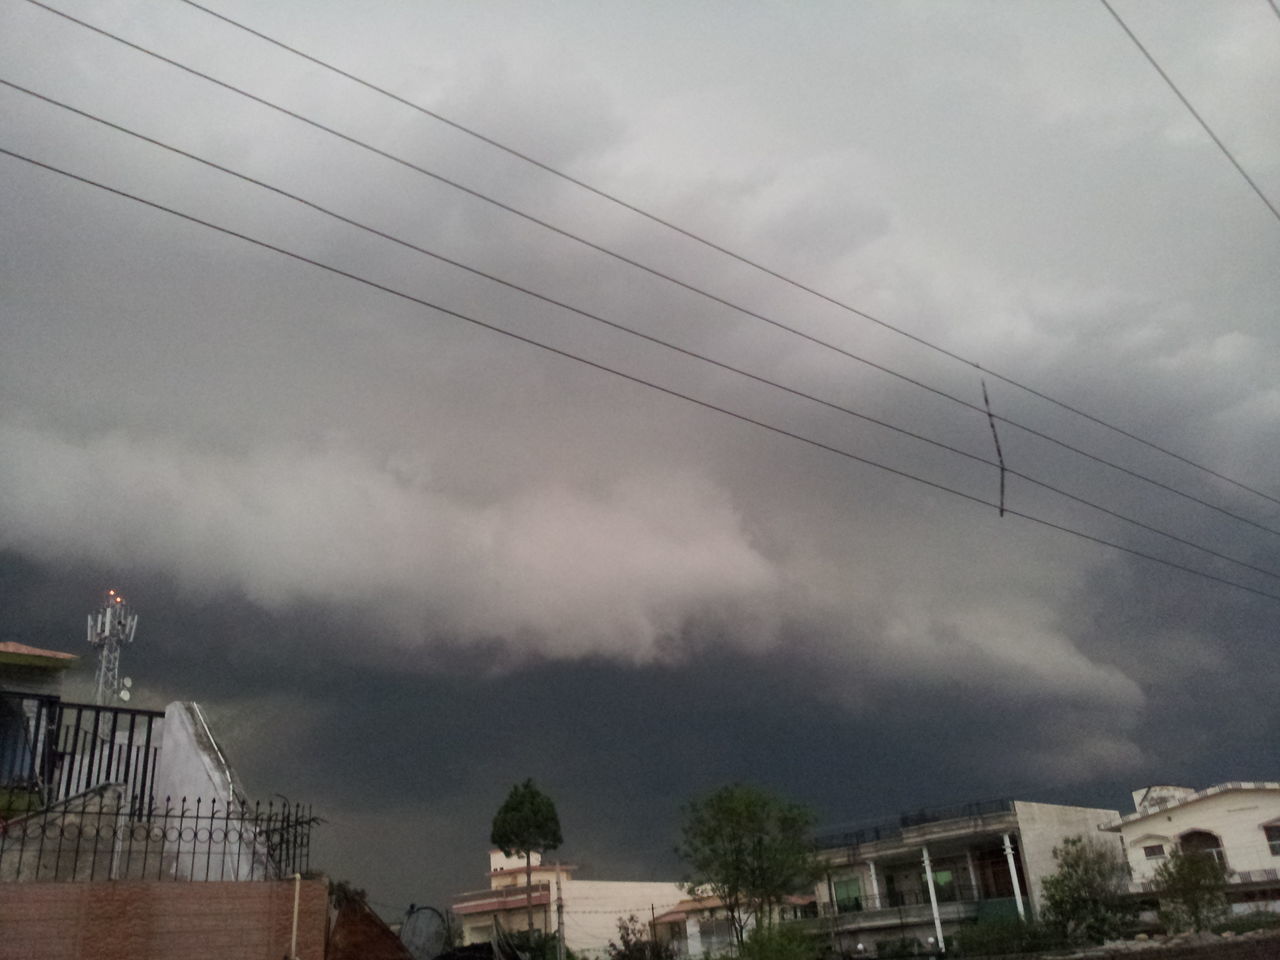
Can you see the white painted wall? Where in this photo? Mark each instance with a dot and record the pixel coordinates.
(592, 909)
(192, 763)
(192, 766)
(1236, 816)
(1043, 826)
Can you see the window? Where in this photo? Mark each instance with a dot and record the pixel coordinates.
(944, 885)
(848, 895)
(1154, 852)
(1273, 840)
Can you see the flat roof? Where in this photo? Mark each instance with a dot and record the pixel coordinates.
(24, 655)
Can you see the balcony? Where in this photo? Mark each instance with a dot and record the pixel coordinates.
(907, 909)
(502, 898)
(1257, 865)
(51, 750)
(915, 826)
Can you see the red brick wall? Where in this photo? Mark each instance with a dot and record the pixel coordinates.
(165, 920)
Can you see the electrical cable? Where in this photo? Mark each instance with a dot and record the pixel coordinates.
(740, 258)
(1192, 110)
(632, 331)
(977, 408)
(373, 284)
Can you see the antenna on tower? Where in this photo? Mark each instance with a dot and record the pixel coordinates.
(110, 629)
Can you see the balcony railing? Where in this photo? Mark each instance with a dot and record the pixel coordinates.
(1259, 863)
(104, 835)
(51, 750)
(893, 829)
(502, 898)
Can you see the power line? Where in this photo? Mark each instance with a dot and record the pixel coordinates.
(1195, 113)
(740, 258)
(373, 284)
(657, 273)
(637, 333)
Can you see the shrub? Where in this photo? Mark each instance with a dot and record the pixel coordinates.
(1244, 922)
(1191, 889)
(1000, 937)
(778, 943)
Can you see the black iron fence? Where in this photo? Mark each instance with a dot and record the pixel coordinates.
(51, 750)
(893, 829)
(107, 835)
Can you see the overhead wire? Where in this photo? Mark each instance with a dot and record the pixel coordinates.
(1204, 125)
(261, 184)
(633, 378)
(355, 141)
(734, 255)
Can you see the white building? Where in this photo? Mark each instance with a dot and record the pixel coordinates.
(591, 907)
(1236, 822)
(925, 873)
(700, 926)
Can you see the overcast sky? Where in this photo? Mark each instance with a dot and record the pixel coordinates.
(405, 561)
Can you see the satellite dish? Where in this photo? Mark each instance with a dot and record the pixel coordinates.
(127, 681)
(423, 934)
(125, 695)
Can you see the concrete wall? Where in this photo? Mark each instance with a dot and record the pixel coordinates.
(1043, 826)
(192, 763)
(135, 920)
(592, 909)
(1235, 815)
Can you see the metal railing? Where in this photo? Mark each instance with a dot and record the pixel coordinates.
(954, 892)
(893, 829)
(106, 835)
(51, 750)
(1244, 864)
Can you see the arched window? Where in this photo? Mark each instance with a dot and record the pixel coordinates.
(1202, 841)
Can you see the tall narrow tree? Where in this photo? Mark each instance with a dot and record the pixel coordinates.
(526, 821)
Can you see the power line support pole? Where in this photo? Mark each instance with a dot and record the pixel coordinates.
(559, 916)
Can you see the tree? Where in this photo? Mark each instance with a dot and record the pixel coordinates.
(636, 943)
(778, 943)
(1084, 899)
(526, 822)
(748, 848)
(1191, 889)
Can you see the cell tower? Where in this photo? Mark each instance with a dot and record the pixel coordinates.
(110, 629)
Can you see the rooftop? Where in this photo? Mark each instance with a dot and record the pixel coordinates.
(20, 654)
(1173, 802)
(855, 835)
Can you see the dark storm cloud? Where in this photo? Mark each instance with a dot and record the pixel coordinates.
(405, 562)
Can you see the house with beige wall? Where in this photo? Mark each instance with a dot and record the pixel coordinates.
(1237, 822)
(591, 907)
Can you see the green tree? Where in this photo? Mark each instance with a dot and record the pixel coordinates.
(1084, 899)
(778, 943)
(526, 821)
(636, 943)
(1192, 890)
(748, 848)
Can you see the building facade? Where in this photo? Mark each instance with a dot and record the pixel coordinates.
(1237, 822)
(591, 908)
(920, 876)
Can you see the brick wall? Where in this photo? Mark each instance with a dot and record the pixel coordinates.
(139, 920)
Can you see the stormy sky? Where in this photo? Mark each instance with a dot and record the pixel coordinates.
(405, 561)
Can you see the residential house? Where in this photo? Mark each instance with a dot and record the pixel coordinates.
(921, 875)
(124, 802)
(700, 926)
(1237, 822)
(591, 908)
